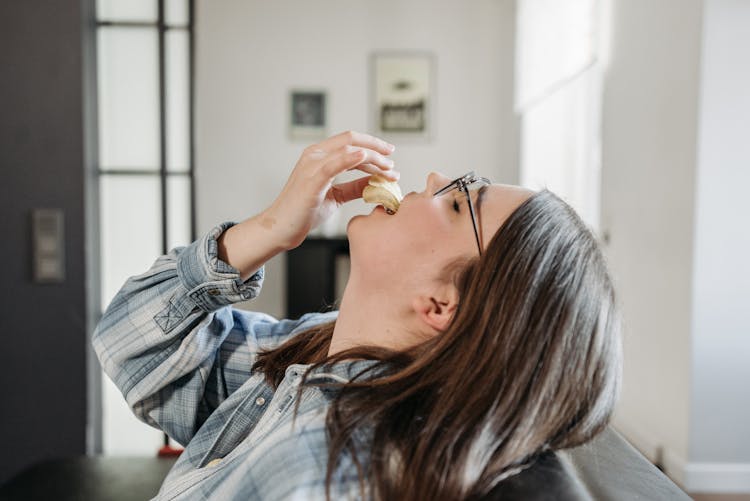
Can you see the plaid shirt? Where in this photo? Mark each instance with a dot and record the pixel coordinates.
(181, 356)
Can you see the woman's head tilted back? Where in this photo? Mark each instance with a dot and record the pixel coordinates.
(534, 342)
(527, 358)
(402, 264)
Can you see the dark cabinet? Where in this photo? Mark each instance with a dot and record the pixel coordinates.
(314, 275)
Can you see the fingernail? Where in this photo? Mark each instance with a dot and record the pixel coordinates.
(392, 147)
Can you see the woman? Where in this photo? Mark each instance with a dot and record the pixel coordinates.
(477, 330)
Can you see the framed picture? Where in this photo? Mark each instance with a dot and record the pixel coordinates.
(307, 114)
(403, 93)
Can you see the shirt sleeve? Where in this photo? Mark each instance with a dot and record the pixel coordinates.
(174, 346)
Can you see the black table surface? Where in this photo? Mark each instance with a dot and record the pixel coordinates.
(607, 468)
(89, 478)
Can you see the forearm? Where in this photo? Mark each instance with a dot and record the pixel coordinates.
(248, 245)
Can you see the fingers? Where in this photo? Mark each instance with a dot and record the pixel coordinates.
(366, 160)
(358, 139)
(390, 175)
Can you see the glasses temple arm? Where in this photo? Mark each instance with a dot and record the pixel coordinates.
(473, 221)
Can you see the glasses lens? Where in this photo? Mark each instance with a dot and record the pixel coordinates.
(462, 187)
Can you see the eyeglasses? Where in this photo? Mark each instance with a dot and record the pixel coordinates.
(465, 183)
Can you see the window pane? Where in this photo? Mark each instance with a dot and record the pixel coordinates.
(178, 100)
(122, 433)
(178, 211)
(130, 221)
(126, 10)
(554, 40)
(560, 145)
(176, 12)
(128, 74)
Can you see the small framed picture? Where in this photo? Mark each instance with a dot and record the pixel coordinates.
(307, 114)
(403, 93)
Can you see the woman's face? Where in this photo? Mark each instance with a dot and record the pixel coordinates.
(413, 246)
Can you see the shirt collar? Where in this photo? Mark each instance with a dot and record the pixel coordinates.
(338, 372)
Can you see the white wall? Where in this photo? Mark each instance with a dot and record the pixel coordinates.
(674, 170)
(720, 397)
(676, 166)
(251, 53)
(648, 173)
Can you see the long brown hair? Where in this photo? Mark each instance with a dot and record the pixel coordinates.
(531, 362)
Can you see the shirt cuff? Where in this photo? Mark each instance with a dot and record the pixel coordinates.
(211, 282)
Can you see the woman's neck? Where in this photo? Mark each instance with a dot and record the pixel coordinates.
(368, 317)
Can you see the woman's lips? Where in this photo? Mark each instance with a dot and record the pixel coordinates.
(380, 209)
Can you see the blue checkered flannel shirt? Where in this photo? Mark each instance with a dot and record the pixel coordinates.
(182, 355)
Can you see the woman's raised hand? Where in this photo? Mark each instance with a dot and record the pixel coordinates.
(307, 199)
(310, 197)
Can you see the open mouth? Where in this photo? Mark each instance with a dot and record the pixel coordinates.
(380, 208)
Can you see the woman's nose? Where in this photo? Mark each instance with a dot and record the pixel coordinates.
(435, 181)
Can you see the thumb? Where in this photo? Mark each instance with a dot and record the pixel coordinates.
(345, 192)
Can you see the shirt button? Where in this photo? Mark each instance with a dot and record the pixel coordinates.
(213, 292)
(213, 462)
(260, 401)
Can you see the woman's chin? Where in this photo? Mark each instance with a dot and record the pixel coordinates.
(359, 218)
(352, 221)
(364, 229)
(352, 225)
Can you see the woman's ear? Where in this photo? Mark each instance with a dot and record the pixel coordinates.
(436, 310)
